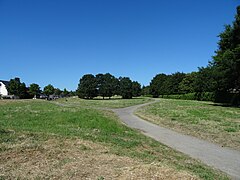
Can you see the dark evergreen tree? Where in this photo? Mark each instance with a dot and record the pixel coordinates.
(157, 85)
(106, 85)
(145, 91)
(100, 84)
(14, 86)
(125, 88)
(34, 89)
(116, 85)
(187, 84)
(57, 91)
(204, 82)
(174, 81)
(136, 89)
(49, 90)
(23, 91)
(226, 63)
(87, 87)
(17, 88)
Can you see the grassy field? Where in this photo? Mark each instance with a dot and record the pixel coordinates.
(99, 103)
(204, 120)
(40, 139)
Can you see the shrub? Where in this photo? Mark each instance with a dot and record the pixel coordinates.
(205, 96)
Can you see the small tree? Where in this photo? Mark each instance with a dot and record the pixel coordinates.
(17, 88)
(48, 90)
(57, 91)
(23, 93)
(14, 86)
(34, 89)
(145, 90)
(72, 93)
(65, 92)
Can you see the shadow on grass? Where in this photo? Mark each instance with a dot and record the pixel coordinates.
(224, 105)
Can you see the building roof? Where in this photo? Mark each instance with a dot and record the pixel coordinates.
(6, 83)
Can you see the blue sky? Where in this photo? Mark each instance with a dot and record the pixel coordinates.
(58, 41)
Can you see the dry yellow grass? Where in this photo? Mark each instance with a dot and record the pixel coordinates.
(77, 159)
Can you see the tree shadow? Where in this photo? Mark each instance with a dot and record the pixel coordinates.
(224, 105)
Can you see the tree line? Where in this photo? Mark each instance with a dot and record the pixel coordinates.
(19, 89)
(106, 85)
(219, 81)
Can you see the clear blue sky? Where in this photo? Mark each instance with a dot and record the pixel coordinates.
(58, 41)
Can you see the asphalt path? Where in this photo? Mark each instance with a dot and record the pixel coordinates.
(222, 158)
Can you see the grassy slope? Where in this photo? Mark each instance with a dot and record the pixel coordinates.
(206, 120)
(99, 103)
(41, 120)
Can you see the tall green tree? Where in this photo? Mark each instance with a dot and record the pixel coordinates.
(157, 85)
(87, 87)
(187, 84)
(106, 85)
(226, 62)
(204, 82)
(14, 86)
(136, 89)
(34, 89)
(23, 92)
(175, 80)
(100, 80)
(163, 84)
(48, 90)
(116, 85)
(125, 87)
(17, 88)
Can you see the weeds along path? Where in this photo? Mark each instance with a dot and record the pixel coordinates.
(224, 159)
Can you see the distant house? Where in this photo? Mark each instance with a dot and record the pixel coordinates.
(3, 88)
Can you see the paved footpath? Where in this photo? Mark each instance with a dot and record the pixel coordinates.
(224, 159)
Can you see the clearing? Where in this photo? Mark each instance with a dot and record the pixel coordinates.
(40, 139)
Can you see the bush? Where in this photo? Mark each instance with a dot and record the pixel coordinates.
(189, 96)
(205, 96)
(228, 98)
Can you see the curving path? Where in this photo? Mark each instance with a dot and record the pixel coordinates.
(224, 159)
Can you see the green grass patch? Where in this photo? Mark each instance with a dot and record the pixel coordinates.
(103, 103)
(38, 120)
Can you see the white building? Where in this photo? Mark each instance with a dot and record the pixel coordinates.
(3, 88)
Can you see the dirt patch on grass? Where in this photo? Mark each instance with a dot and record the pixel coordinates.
(76, 159)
